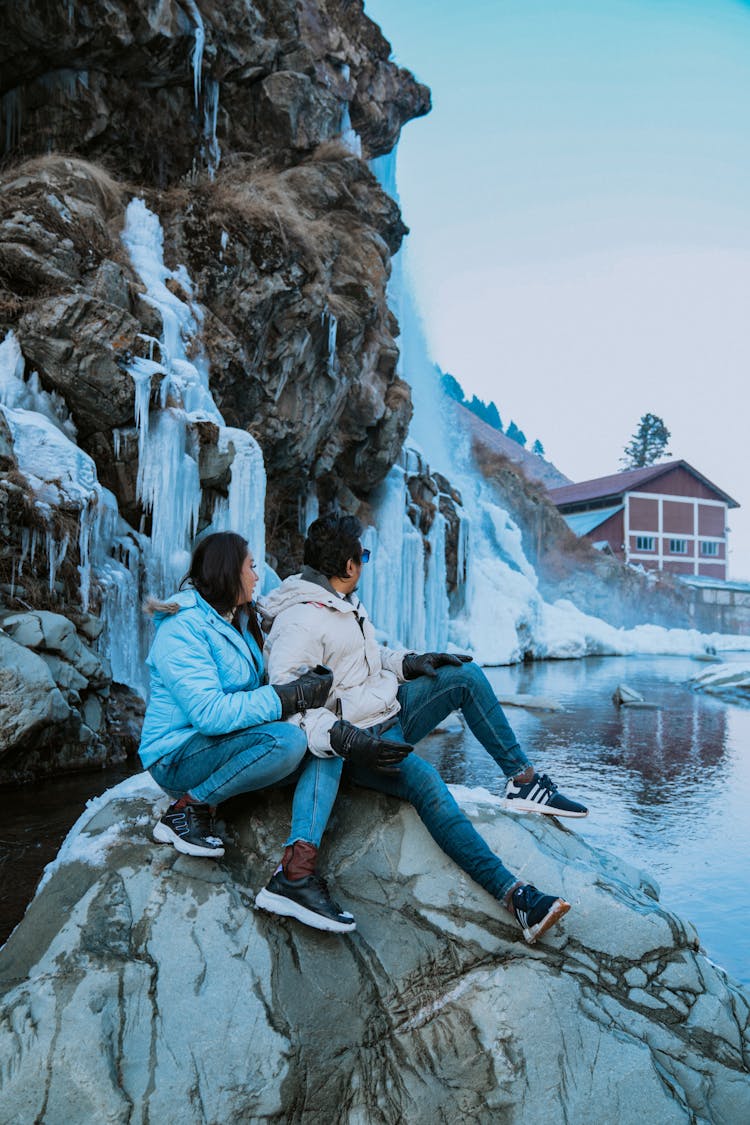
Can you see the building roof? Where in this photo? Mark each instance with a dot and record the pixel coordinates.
(614, 486)
(581, 523)
(703, 580)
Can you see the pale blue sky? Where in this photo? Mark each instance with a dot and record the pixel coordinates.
(579, 200)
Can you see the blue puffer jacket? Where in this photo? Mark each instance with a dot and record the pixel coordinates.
(205, 678)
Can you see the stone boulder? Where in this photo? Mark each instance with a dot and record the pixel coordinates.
(58, 709)
(143, 985)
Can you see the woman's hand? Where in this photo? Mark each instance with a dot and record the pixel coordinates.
(309, 690)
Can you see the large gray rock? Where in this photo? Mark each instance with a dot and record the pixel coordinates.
(58, 711)
(142, 985)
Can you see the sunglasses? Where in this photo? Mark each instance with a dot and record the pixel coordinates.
(365, 555)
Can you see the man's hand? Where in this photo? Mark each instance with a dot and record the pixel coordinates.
(427, 663)
(310, 690)
(364, 749)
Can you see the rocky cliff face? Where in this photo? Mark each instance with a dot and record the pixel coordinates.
(247, 128)
(137, 85)
(142, 984)
(289, 242)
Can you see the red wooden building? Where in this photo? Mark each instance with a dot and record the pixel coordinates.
(666, 517)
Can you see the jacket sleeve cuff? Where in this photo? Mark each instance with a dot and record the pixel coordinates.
(393, 661)
(317, 726)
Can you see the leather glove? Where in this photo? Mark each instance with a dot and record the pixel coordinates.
(309, 690)
(426, 663)
(364, 749)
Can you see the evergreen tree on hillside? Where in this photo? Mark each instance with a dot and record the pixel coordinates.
(538, 448)
(487, 411)
(516, 434)
(648, 444)
(452, 387)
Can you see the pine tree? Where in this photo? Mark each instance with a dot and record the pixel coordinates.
(648, 444)
(516, 434)
(452, 387)
(538, 448)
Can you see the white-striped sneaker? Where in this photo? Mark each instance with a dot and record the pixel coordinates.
(535, 912)
(540, 795)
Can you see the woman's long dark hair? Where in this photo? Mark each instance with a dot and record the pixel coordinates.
(216, 573)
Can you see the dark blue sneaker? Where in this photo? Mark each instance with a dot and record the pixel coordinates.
(191, 829)
(540, 795)
(307, 900)
(535, 912)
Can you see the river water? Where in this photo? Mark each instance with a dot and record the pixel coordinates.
(667, 789)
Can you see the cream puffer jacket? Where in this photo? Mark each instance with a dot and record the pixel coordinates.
(313, 625)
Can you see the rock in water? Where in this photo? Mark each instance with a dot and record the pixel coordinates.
(143, 986)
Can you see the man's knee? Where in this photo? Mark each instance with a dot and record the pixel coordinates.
(466, 676)
(423, 784)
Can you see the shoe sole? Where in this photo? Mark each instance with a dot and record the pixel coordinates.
(163, 834)
(517, 804)
(278, 904)
(558, 909)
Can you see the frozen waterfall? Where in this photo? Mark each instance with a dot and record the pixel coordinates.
(168, 472)
(502, 617)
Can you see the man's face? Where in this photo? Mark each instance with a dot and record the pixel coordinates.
(354, 567)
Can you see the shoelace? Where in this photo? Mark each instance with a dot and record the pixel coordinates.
(546, 782)
(199, 820)
(322, 886)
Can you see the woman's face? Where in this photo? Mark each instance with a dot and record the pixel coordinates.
(248, 578)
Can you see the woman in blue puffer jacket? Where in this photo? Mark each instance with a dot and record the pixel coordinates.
(213, 729)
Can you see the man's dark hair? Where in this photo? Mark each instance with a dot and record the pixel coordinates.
(331, 541)
(216, 569)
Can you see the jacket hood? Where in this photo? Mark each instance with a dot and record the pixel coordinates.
(301, 588)
(161, 611)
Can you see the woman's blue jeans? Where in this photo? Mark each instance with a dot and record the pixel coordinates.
(425, 702)
(212, 768)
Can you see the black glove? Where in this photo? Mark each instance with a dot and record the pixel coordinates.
(426, 663)
(364, 749)
(310, 690)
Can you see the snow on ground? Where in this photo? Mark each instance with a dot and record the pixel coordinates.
(725, 679)
(92, 847)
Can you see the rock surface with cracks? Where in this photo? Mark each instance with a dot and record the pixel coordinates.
(142, 985)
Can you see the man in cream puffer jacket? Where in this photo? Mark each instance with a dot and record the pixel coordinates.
(382, 701)
(312, 618)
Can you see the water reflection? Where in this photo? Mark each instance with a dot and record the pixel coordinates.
(667, 788)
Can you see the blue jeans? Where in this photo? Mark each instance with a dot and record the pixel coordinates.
(212, 768)
(425, 702)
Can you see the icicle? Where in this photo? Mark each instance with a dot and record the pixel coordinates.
(436, 588)
(332, 333)
(211, 149)
(309, 509)
(200, 40)
(11, 108)
(349, 137)
(56, 553)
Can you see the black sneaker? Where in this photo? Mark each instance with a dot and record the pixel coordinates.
(192, 830)
(535, 912)
(540, 795)
(307, 900)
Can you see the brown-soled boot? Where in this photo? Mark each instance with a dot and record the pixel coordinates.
(296, 891)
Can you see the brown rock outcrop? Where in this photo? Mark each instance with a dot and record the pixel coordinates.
(116, 82)
(288, 243)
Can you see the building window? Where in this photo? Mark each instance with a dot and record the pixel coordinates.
(678, 546)
(644, 543)
(710, 549)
